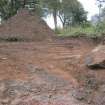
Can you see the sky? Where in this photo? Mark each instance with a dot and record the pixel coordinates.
(89, 5)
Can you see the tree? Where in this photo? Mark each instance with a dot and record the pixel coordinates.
(53, 7)
(71, 13)
(100, 5)
(79, 15)
(9, 8)
(65, 13)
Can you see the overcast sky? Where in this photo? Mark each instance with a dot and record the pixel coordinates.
(89, 5)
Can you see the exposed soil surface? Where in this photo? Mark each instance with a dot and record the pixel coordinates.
(40, 69)
(44, 73)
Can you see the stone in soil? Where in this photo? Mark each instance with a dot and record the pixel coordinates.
(96, 58)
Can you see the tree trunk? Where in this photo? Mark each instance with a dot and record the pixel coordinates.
(55, 18)
(63, 20)
(24, 3)
(12, 4)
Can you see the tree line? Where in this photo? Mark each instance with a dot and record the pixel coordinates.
(70, 12)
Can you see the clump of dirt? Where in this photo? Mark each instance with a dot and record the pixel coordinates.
(26, 26)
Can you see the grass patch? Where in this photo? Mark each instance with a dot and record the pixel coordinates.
(79, 31)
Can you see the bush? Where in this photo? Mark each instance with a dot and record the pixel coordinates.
(78, 31)
(86, 24)
(100, 27)
(57, 31)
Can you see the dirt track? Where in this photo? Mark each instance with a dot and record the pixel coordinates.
(43, 73)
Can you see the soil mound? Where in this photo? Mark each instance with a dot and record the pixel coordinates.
(25, 26)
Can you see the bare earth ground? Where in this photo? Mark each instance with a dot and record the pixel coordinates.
(46, 73)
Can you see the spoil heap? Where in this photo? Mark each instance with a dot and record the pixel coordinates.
(25, 26)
